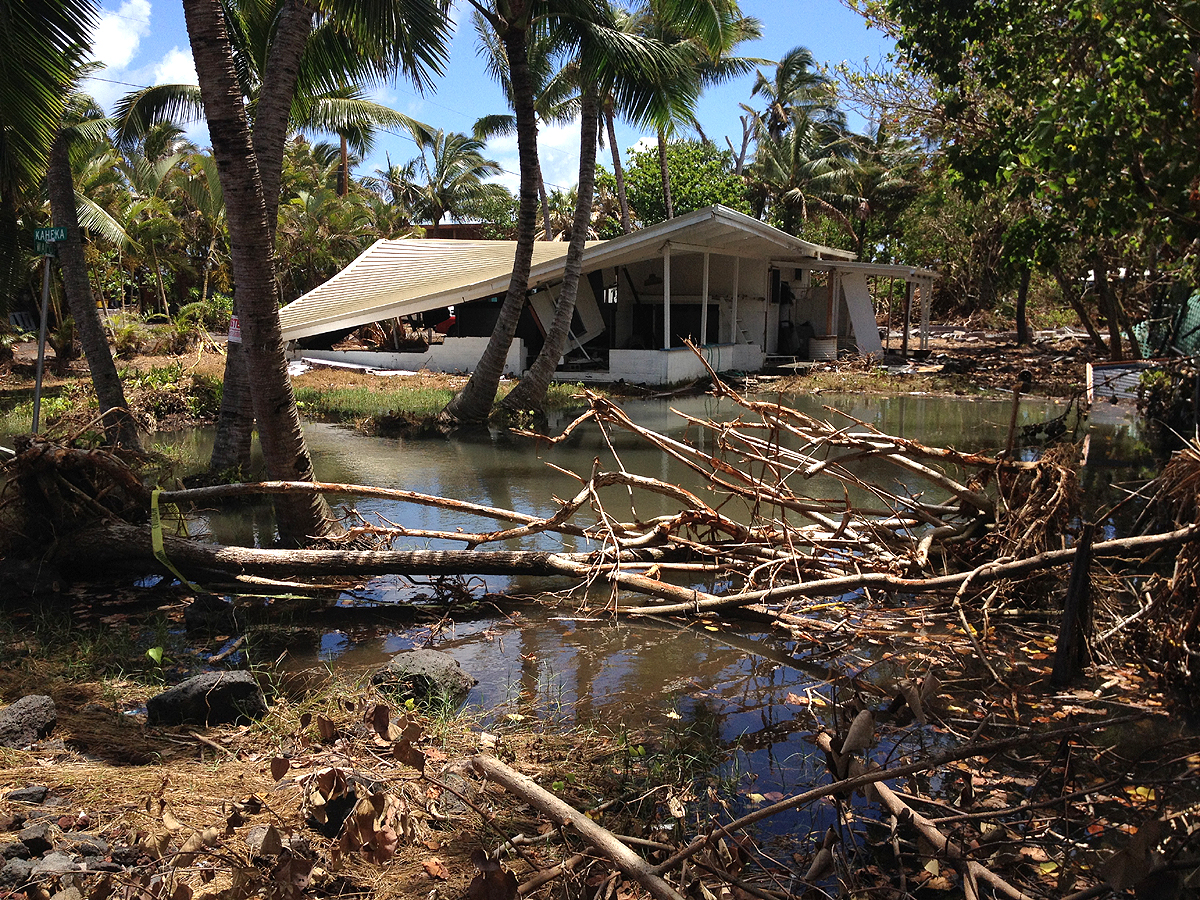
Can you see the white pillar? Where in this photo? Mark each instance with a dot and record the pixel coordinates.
(704, 306)
(737, 332)
(835, 302)
(925, 286)
(667, 297)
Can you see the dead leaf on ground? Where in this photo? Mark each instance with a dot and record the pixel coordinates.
(435, 868)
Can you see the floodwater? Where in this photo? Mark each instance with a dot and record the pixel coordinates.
(730, 685)
(726, 685)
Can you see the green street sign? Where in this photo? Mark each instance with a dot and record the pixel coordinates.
(50, 235)
(45, 248)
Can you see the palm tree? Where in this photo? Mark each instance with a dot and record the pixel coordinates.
(42, 44)
(451, 176)
(808, 170)
(83, 123)
(512, 21)
(796, 85)
(631, 72)
(283, 63)
(707, 31)
(394, 183)
(303, 516)
(202, 185)
(554, 98)
(888, 172)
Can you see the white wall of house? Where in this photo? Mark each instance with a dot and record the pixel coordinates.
(680, 364)
(455, 355)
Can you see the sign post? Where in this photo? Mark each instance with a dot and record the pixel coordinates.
(46, 239)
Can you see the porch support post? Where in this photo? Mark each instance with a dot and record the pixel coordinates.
(907, 324)
(704, 305)
(737, 331)
(667, 297)
(925, 286)
(835, 298)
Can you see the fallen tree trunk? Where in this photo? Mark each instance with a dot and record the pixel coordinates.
(118, 543)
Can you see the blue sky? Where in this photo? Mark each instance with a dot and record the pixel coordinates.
(144, 42)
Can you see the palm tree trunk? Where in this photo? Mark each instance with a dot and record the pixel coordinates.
(473, 403)
(665, 174)
(162, 289)
(344, 168)
(547, 225)
(235, 426)
(274, 108)
(531, 392)
(618, 169)
(252, 260)
(119, 426)
(235, 422)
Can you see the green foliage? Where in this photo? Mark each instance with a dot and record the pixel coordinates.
(701, 175)
(353, 404)
(129, 334)
(1083, 109)
(172, 393)
(1166, 397)
(212, 313)
(498, 213)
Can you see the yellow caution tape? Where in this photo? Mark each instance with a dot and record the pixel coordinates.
(156, 542)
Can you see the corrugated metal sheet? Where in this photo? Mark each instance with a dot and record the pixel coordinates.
(397, 278)
(1117, 380)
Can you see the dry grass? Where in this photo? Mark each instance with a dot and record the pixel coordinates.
(154, 788)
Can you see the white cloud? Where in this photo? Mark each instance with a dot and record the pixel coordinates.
(558, 153)
(119, 33)
(644, 143)
(176, 67)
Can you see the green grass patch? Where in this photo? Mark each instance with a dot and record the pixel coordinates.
(396, 397)
(354, 404)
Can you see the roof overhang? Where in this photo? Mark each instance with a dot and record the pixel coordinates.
(884, 270)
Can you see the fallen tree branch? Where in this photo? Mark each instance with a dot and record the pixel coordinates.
(991, 571)
(931, 833)
(563, 814)
(987, 748)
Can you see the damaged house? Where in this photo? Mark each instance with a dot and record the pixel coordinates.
(746, 293)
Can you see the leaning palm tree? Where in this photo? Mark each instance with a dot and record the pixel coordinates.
(513, 21)
(554, 100)
(83, 124)
(640, 76)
